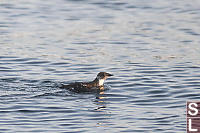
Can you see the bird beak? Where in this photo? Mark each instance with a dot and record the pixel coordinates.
(108, 74)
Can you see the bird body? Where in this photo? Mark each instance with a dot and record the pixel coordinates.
(96, 85)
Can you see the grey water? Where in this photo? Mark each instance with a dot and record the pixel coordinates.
(152, 47)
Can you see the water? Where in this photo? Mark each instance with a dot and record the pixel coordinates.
(152, 48)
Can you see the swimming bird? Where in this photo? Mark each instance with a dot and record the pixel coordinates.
(96, 85)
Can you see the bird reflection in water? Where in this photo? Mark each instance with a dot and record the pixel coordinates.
(102, 109)
(104, 115)
(100, 101)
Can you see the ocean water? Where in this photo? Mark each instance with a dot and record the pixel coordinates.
(151, 47)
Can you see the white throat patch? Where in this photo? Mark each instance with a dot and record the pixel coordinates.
(101, 81)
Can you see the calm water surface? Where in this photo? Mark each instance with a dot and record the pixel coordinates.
(152, 48)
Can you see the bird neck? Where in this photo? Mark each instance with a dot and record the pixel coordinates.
(99, 82)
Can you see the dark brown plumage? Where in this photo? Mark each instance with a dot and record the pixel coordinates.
(95, 85)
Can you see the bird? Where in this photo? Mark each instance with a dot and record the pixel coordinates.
(94, 86)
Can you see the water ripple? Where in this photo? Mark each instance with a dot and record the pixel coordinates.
(152, 49)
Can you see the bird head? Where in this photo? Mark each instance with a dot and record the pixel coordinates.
(103, 75)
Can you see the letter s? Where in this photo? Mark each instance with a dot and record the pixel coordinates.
(193, 108)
